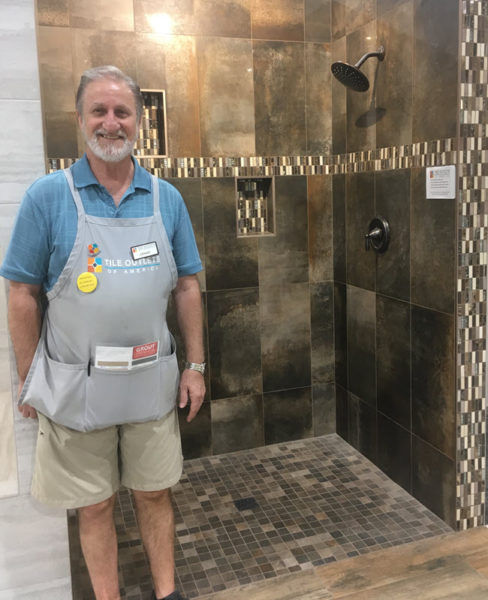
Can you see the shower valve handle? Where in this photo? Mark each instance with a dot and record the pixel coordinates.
(378, 236)
(374, 234)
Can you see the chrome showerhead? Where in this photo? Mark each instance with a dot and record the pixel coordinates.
(351, 76)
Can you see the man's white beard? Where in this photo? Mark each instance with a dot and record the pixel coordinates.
(110, 152)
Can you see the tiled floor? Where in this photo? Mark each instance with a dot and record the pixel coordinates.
(257, 514)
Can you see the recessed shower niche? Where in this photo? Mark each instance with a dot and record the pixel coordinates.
(153, 138)
(255, 206)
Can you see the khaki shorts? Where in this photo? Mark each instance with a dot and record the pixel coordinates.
(74, 469)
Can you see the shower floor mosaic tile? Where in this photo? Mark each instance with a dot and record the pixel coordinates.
(256, 514)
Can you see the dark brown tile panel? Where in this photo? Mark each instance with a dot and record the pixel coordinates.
(324, 408)
(226, 96)
(318, 20)
(361, 263)
(338, 19)
(395, 452)
(282, 20)
(320, 231)
(322, 322)
(432, 243)
(279, 95)
(358, 13)
(288, 415)
(392, 190)
(55, 70)
(433, 379)
(230, 262)
(340, 333)
(435, 58)
(285, 336)
(339, 226)
(393, 359)
(196, 436)
(318, 98)
(395, 77)
(61, 131)
(234, 343)
(362, 425)
(361, 354)
(339, 100)
(237, 423)
(342, 418)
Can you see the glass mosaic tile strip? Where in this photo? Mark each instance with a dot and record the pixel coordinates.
(472, 270)
(152, 139)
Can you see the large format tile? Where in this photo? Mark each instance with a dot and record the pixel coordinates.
(393, 359)
(324, 408)
(22, 150)
(342, 418)
(288, 415)
(340, 333)
(226, 97)
(339, 100)
(196, 436)
(318, 98)
(320, 228)
(432, 248)
(433, 379)
(434, 480)
(230, 262)
(279, 92)
(362, 427)
(359, 212)
(53, 12)
(173, 66)
(20, 78)
(395, 78)
(339, 226)
(61, 134)
(322, 322)
(392, 190)
(33, 549)
(229, 18)
(234, 343)
(237, 423)
(394, 451)
(435, 89)
(277, 20)
(361, 354)
(317, 20)
(283, 258)
(100, 14)
(285, 336)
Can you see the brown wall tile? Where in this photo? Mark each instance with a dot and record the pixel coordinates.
(339, 101)
(237, 423)
(61, 131)
(230, 262)
(234, 343)
(320, 232)
(318, 98)
(229, 18)
(288, 415)
(339, 226)
(362, 427)
(324, 408)
(196, 436)
(100, 14)
(394, 452)
(55, 69)
(53, 12)
(226, 97)
(435, 73)
(338, 19)
(285, 336)
(279, 92)
(151, 60)
(282, 20)
(181, 13)
(395, 77)
(322, 323)
(317, 20)
(358, 13)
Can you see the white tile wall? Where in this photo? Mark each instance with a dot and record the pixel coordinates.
(34, 549)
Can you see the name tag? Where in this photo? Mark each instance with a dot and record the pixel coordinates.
(144, 250)
(116, 358)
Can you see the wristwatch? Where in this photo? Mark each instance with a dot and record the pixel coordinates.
(200, 367)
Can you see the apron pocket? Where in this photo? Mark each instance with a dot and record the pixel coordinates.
(57, 390)
(141, 394)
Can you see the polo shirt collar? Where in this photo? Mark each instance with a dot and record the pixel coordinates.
(83, 175)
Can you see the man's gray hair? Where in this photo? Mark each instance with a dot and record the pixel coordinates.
(108, 72)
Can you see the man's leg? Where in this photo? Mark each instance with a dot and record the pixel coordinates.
(156, 524)
(99, 545)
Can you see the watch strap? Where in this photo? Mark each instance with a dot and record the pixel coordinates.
(200, 367)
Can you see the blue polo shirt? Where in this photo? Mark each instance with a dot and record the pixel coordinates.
(45, 228)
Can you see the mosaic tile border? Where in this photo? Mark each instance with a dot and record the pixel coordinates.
(472, 268)
(421, 154)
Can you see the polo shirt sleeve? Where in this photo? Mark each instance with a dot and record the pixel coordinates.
(27, 257)
(182, 238)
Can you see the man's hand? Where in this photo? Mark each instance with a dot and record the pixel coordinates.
(192, 389)
(27, 411)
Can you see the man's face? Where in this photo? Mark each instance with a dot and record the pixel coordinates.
(108, 122)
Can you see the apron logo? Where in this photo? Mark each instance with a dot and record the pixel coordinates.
(93, 249)
(94, 265)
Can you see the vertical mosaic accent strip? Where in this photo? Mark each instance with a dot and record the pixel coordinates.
(255, 206)
(152, 135)
(472, 268)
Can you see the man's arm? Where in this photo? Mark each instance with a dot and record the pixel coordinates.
(24, 319)
(188, 303)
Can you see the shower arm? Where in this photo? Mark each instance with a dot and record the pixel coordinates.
(379, 53)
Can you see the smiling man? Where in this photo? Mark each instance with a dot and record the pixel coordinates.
(105, 244)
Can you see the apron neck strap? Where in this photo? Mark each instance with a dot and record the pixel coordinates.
(75, 192)
(155, 195)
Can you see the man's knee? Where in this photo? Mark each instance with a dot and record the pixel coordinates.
(94, 512)
(159, 497)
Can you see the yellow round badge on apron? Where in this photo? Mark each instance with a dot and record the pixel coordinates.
(87, 282)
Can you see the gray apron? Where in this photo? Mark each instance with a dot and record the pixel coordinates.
(105, 354)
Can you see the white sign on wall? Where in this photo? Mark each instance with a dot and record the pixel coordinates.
(440, 182)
